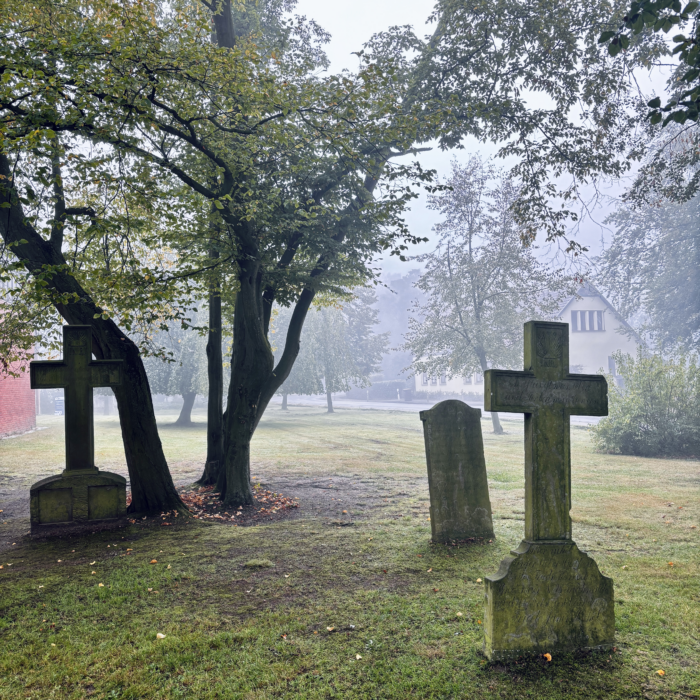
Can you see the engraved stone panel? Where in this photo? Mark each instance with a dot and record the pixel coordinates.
(460, 507)
(103, 502)
(56, 506)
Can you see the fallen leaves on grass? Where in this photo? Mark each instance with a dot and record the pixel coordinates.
(153, 561)
(661, 673)
(478, 580)
(547, 657)
(204, 504)
(160, 636)
(358, 657)
(330, 629)
(100, 585)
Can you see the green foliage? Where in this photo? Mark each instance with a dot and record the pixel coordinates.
(482, 282)
(662, 16)
(653, 265)
(338, 347)
(181, 367)
(656, 410)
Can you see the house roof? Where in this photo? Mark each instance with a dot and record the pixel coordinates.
(588, 290)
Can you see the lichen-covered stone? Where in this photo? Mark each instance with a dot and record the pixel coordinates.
(547, 597)
(75, 497)
(460, 507)
(82, 494)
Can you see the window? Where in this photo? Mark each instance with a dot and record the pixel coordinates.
(433, 380)
(425, 378)
(443, 378)
(586, 321)
(478, 378)
(467, 380)
(611, 365)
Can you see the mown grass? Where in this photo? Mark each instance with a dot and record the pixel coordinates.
(224, 623)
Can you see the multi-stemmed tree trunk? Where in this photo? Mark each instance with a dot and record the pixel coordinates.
(152, 488)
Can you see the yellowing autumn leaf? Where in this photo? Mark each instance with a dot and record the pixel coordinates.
(92, 563)
(160, 636)
(459, 614)
(358, 657)
(100, 585)
(429, 570)
(153, 561)
(330, 629)
(661, 673)
(478, 580)
(93, 572)
(548, 657)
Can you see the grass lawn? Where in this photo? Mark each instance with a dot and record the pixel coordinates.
(343, 612)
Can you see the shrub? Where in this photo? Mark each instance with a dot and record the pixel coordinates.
(655, 411)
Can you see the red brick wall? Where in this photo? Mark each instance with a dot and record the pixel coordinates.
(17, 411)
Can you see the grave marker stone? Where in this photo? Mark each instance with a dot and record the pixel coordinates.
(548, 596)
(82, 493)
(460, 507)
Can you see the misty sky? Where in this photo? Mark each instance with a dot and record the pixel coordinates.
(352, 24)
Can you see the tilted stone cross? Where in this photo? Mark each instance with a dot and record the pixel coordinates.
(547, 394)
(82, 492)
(77, 373)
(548, 595)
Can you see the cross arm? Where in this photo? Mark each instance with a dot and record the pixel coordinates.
(523, 392)
(106, 372)
(589, 396)
(506, 390)
(47, 374)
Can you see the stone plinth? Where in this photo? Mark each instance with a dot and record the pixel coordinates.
(547, 597)
(460, 507)
(77, 498)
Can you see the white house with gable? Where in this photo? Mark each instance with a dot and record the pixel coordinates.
(596, 332)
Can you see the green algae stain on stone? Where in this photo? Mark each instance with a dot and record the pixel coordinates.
(547, 597)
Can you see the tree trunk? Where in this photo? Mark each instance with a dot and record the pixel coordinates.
(252, 363)
(185, 417)
(152, 488)
(497, 428)
(284, 402)
(329, 401)
(215, 401)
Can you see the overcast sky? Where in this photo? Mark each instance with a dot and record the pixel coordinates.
(352, 24)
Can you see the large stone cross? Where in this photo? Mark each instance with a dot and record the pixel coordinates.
(77, 374)
(82, 495)
(548, 596)
(547, 394)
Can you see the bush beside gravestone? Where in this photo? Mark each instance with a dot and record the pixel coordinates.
(655, 411)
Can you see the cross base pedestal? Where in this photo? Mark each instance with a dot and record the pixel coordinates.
(76, 498)
(547, 597)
